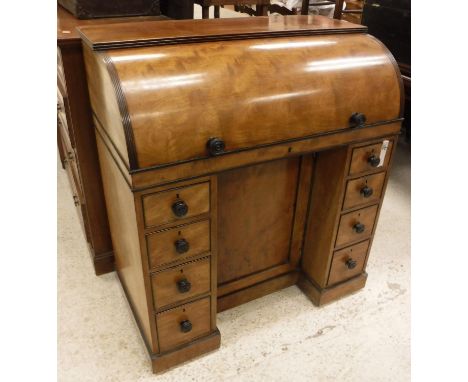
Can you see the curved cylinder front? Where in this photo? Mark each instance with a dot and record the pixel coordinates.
(250, 93)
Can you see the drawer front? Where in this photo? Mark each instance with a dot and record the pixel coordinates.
(366, 189)
(183, 324)
(176, 204)
(181, 282)
(356, 225)
(348, 262)
(178, 243)
(371, 158)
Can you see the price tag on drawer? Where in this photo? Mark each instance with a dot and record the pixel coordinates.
(383, 152)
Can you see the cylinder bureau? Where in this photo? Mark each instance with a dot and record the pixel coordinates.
(239, 157)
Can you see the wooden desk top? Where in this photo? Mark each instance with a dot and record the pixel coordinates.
(102, 37)
(67, 24)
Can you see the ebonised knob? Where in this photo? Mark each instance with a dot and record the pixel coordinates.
(180, 208)
(184, 285)
(373, 160)
(350, 263)
(185, 326)
(215, 146)
(359, 227)
(357, 119)
(366, 191)
(181, 245)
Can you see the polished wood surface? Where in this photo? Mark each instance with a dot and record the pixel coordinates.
(347, 233)
(185, 31)
(360, 160)
(251, 236)
(124, 230)
(71, 82)
(355, 195)
(280, 203)
(158, 207)
(198, 313)
(162, 245)
(340, 271)
(165, 283)
(279, 113)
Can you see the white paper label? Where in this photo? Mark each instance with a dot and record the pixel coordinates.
(383, 152)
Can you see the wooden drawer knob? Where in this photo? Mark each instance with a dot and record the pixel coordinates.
(367, 191)
(373, 160)
(181, 246)
(351, 264)
(357, 119)
(359, 227)
(184, 286)
(215, 146)
(180, 208)
(185, 326)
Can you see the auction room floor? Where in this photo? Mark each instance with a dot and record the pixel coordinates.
(280, 337)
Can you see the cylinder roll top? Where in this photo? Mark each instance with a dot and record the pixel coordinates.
(195, 100)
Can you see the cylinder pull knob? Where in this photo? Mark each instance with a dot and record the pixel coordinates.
(351, 264)
(215, 146)
(185, 326)
(367, 191)
(180, 208)
(357, 119)
(181, 246)
(359, 227)
(373, 160)
(184, 285)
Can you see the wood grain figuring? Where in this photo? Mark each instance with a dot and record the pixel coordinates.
(123, 223)
(165, 289)
(162, 249)
(340, 271)
(168, 322)
(346, 232)
(145, 179)
(354, 196)
(171, 32)
(104, 102)
(359, 161)
(158, 207)
(187, 78)
(325, 204)
(255, 211)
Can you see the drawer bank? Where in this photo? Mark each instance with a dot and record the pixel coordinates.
(239, 157)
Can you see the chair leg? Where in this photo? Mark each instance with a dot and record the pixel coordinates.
(205, 12)
(216, 11)
(261, 10)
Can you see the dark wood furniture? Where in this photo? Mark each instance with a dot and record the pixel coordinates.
(223, 185)
(76, 140)
(390, 22)
(92, 9)
(261, 6)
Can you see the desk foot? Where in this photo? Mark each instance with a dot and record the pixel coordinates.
(163, 362)
(323, 296)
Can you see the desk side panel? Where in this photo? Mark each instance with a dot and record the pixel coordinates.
(124, 231)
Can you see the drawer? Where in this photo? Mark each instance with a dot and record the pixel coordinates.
(183, 324)
(356, 225)
(178, 243)
(180, 283)
(348, 262)
(366, 189)
(176, 204)
(371, 158)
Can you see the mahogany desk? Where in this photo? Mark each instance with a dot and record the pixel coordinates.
(239, 157)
